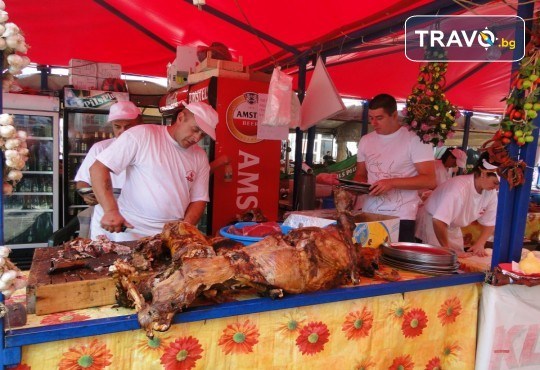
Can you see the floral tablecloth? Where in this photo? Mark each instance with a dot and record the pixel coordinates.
(429, 329)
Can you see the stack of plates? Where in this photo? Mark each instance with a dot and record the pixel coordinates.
(422, 258)
(358, 187)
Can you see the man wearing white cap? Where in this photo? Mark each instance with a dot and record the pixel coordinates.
(122, 116)
(167, 175)
(451, 158)
(457, 203)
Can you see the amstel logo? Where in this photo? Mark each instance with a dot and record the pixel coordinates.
(242, 117)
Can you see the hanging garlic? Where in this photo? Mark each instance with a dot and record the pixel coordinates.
(7, 188)
(7, 132)
(12, 41)
(11, 29)
(8, 275)
(15, 175)
(3, 16)
(11, 143)
(4, 252)
(6, 119)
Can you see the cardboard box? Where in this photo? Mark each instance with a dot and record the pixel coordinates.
(186, 58)
(107, 70)
(175, 78)
(89, 75)
(210, 63)
(371, 229)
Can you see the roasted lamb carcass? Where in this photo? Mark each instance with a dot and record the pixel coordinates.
(305, 260)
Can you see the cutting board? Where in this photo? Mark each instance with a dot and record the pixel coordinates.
(70, 290)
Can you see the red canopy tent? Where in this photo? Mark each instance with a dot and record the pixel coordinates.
(142, 37)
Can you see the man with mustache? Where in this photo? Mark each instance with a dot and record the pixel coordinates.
(167, 175)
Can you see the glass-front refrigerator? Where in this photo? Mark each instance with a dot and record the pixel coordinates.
(31, 212)
(85, 115)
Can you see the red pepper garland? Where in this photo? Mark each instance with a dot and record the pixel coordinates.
(523, 104)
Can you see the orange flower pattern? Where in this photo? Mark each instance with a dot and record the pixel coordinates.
(152, 347)
(434, 364)
(312, 338)
(182, 354)
(364, 364)
(402, 363)
(292, 322)
(414, 323)
(450, 310)
(450, 353)
(358, 324)
(397, 309)
(94, 356)
(239, 338)
(63, 317)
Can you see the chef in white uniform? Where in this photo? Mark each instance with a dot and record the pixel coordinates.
(457, 203)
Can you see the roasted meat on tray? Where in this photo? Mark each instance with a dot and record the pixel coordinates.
(305, 260)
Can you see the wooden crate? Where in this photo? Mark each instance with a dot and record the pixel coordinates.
(66, 291)
(210, 63)
(201, 76)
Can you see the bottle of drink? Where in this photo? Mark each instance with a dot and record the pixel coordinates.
(34, 155)
(77, 143)
(84, 143)
(44, 157)
(96, 137)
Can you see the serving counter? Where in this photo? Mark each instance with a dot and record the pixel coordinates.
(419, 322)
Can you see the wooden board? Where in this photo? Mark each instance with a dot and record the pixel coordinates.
(68, 290)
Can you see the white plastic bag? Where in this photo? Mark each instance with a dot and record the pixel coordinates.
(296, 111)
(278, 106)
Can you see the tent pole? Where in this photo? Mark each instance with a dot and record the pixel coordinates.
(302, 66)
(365, 118)
(513, 204)
(138, 26)
(246, 27)
(350, 40)
(466, 130)
(311, 133)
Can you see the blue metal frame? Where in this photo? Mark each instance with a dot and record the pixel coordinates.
(9, 355)
(22, 337)
(513, 204)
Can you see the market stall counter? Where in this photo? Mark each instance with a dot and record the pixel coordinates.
(420, 321)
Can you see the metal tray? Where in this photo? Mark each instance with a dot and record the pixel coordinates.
(420, 268)
(417, 252)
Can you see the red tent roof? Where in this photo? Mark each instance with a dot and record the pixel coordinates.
(142, 37)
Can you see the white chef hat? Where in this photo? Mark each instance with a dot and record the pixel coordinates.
(461, 157)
